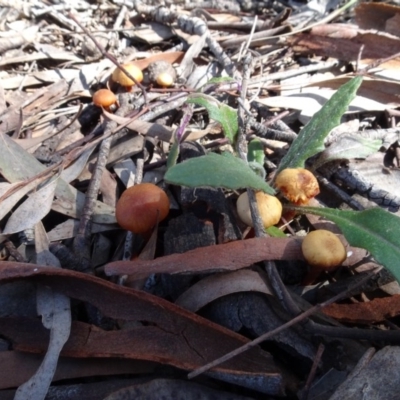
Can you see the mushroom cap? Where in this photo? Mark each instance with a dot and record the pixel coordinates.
(104, 98)
(323, 249)
(165, 79)
(298, 185)
(159, 70)
(140, 206)
(120, 77)
(269, 207)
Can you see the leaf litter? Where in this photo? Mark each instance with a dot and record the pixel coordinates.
(246, 73)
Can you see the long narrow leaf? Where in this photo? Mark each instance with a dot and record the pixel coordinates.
(310, 140)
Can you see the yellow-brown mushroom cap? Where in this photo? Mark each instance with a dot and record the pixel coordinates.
(323, 249)
(104, 98)
(165, 79)
(298, 185)
(269, 207)
(120, 77)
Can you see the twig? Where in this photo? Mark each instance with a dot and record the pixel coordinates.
(275, 280)
(81, 243)
(313, 370)
(191, 25)
(269, 334)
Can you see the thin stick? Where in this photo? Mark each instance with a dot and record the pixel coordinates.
(281, 328)
(313, 371)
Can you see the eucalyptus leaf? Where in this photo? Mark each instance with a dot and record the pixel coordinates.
(16, 164)
(310, 140)
(375, 230)
(348, 147)
(225, 115)
(214, 170)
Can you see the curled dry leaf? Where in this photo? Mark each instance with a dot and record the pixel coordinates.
(218, 285)
(171, 334)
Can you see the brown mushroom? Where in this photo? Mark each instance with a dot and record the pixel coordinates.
(121, 78)
(298, 185)
(105, 98)
(141, 206)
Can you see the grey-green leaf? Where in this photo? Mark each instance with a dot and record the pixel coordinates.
(310, 140)
(347, 147)
(214, 170)
(375, 230)
(225, 115)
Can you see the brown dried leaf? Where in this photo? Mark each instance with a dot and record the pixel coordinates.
(222, 257)
(170, 335)
(16, 367)
(344, 43)
(378, 16)
(376, 310)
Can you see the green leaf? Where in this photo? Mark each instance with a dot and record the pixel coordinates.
(375, 230)
(310, 140)
(214, 170)
(221, 79)
(255, 152)
(225, 115)
(274, 231)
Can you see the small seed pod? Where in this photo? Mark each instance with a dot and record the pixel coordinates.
(298, 185)
(162, 73)
(120, 77)
(269, 207)
(105, 98)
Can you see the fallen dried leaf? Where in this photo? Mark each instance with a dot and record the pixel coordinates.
(170, 334)
(223, 257)
(376, 310)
